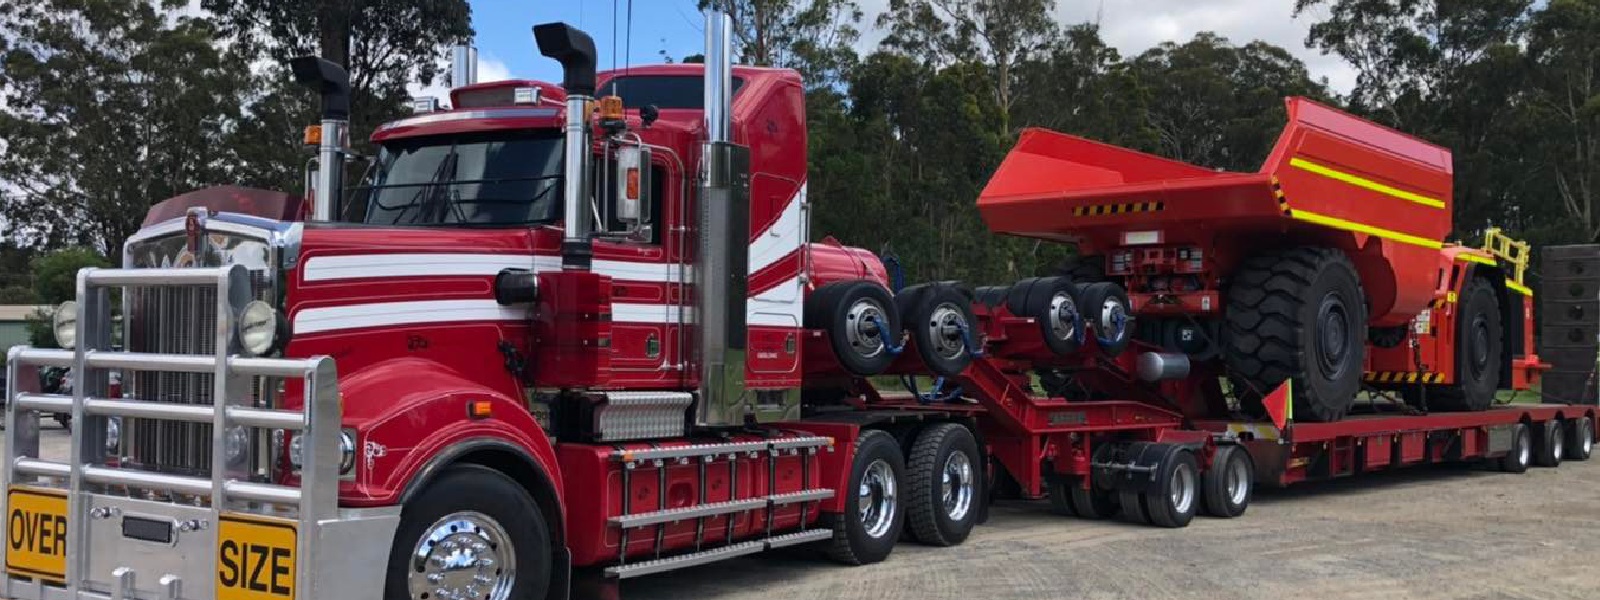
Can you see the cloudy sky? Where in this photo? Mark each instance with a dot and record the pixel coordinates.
(506, 48)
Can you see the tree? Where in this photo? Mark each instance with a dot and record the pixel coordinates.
(112, 106)
(1564, 105)
(814, 37)
(55, 274)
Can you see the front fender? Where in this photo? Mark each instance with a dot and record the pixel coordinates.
(407, 411)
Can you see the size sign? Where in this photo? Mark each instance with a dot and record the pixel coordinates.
(255, 558)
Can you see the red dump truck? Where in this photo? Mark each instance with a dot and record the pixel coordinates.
(561, 337)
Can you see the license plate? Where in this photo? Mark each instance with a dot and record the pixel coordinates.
(255, 558)
(36, 533)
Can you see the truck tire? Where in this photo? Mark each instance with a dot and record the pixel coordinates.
(468, 514)
(991, 296)
(940, 321)
(1084, 269)
(1176, 495)
(867, 534)
(1133, 508)
(1227, 486)
(1092, 503)
(1580, 439)
(841, 309)
(1550, 445)
(1516, 459)
(1055, 304)
(1297, 314)
(1478, 346)
(943, 504)
(1105, 309)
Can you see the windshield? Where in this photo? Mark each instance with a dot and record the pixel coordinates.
(663, 91)
(496, 178)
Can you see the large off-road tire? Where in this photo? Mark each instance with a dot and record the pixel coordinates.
(472, 522)
(1297, 314)
(874, 517)
(842, 309)
(943, 505)
(1478, 347)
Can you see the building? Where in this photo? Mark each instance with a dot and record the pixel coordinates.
(14, 323)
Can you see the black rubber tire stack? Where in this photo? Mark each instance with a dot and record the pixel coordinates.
(1297, 314)
(828, 308)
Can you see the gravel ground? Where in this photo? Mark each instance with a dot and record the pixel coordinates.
(1447, 533)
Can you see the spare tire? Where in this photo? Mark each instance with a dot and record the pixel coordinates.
(992, 295)
(1053, 302)
(1106, 313)
(940, 322)
(852, 312)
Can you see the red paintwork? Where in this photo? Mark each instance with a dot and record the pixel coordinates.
(550, 94)
(1233, 215)
(228, 198)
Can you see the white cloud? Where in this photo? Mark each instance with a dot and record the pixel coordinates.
(1133, 26)
(489, 69)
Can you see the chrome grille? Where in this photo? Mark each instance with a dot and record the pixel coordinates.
(174, 320)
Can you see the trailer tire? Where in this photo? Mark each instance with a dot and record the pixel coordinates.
(1106, 309)
(1517, 458)
(1085, 269)
(1478, 347)
(991, 296)
(1297, 314)
(1176, 496)
(878, 468)
(1229, 483)
(940, 321)
(1094, 503)
(1580, 440)
(471, 504)
(944, 472)
(840, 308)
(1550, 445)
(1133, 507)
(1054, 302)
(1060, 496)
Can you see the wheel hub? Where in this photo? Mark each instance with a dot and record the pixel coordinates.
(862, 327)
(1238, 480)
(876, 498)
(956, 484)
(1333, 332)
(1113, 318)
(463, 556)
(1063, 317)
(945, 325)
(1182, 489)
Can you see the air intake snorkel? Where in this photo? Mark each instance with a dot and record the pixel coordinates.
(574, 49)
(333, 83)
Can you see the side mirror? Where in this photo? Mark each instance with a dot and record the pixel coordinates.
(633, 201)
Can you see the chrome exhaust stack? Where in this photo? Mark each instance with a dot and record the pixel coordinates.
(574, 49)
(333, 83)
(463, 65)
(722, 230)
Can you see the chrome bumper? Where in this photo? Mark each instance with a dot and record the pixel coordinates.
(121, 544)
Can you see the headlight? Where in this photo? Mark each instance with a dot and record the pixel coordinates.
(347, 450)
(236, 444)
(258, 328)
(65, 324)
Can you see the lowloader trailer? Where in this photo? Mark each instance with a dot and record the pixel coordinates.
(560, 337)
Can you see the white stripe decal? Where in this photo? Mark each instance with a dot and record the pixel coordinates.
(780, 306)
(387, 314)
(781, 238)
(362, 266)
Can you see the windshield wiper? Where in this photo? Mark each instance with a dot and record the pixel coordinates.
(428, 195)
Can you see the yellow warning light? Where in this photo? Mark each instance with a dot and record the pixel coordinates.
(481, 409)
(313, 135)
(611, 108)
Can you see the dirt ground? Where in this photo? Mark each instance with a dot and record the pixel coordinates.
(1435, 533)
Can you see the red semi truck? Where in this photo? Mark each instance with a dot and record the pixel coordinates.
(561, 337)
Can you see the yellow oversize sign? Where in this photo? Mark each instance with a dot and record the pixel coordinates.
(255, 558)
(36, 533)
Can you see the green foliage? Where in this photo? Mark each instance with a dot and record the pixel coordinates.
(55, 274)
(17, 294)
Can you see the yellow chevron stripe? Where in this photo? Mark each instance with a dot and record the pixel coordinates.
(1337, 223)
(1364, 183)
(1519, 288)
(1482, 260)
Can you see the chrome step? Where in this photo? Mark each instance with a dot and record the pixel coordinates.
(800, 496)
(686, 560)
(689, 512)
(688, 451)
(799, 537)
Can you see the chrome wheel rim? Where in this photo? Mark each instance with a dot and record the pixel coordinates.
(1113, 315)
(1524, 448)
(1063, 317)
(465, 555)
(944, 328)
(1238, 481)
(876, 498)
(1586, 439)
(1558, 443)
(861, 327)
(1182, 492)
(956, 486)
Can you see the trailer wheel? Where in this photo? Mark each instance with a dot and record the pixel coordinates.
(870, 526)
(1517, 459)
(1297, 314)
(1069, 498)
(1105, 309)
(1550, 446)
(1580, 444)
(852, 312)
(1176, 496)
(1228, 485)
(472, 533)
(1133, 507)
(1478, 333)
(1054, 303)
(944, 470)
(991, 295)
(940, 322)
